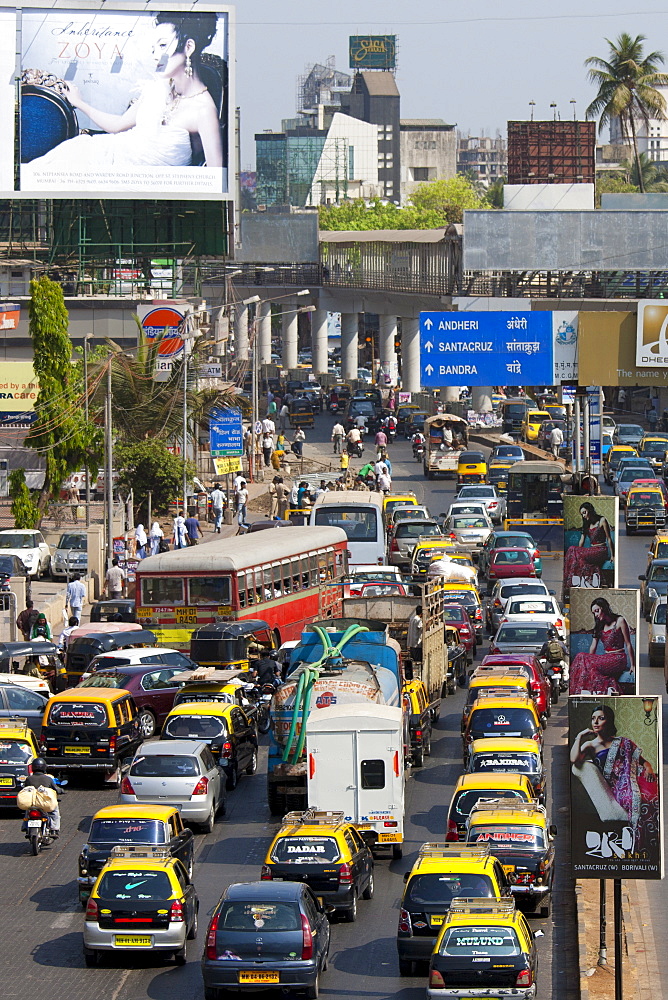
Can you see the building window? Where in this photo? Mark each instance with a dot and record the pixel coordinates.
(420, 173)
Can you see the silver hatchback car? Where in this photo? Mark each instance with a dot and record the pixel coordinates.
(179, 773)
(404, 537)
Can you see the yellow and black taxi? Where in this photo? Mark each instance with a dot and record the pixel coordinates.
(614, 457)
(130, 826)
(531, 423)
(143, 900)
(326, 852)
(520, 836)
(393, 500)
(484, 949)
(229, 732)
(489, 677)
(497, 475)
(90, 729)
(658, 547)
(18, 748)
(426, 551)
(442, 873)
(418, 709)
(473, 788)
(513, 755)
(510, 714)
(645, 508)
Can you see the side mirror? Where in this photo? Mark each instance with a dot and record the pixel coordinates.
(552, 830)
(539, 934)
(642, 577)
(406, 876)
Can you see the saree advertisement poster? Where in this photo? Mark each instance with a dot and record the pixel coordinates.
(616, 760)
(591, 530)
(121, 103)
(603, 641)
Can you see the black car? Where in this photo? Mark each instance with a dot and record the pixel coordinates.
(13, 566)
(266, 934)
(362, 408)
(16, 700)
(115, 826)
(109, 611)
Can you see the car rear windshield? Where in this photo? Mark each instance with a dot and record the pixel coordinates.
(454, 614)
(465, 597)
(403, 502)
(515, 763)
(127, 831)
(105, 680)
(477, 491)
(479, 940)
(515, 542)
(435, 889)
(469, 522)
(528, 634)
(416, 529)
(654, 447)
(359, 524)
(509, 837)
(504, 557)
(165, 766)
(300, 850)
(508, 589)
(194, 727)
(18, 752)
(502, 722)
(465, 801)
(660, 614)
(84, 715)
(7, 565)
(135, 885)
(261, 916)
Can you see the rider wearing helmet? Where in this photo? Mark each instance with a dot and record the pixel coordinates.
(40, 779)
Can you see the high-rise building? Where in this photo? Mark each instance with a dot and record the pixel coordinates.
(651, 135)
(375, 98)
(483, 158)
(428, 153)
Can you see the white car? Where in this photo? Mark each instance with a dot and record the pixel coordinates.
(525, 609)
(469, 530)
(657, 632)
(371, 574)
(473, 509)
(493, 501)
(30, 547)
(26, 681)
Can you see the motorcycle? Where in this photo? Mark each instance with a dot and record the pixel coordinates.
(37, 827)
(556, 671)
(355, 449)
(264, 708)
(333, 407)
(418, 452)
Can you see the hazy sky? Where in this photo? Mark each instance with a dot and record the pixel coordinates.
(475, 64)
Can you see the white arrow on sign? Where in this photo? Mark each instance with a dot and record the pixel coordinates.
(428, 323)
(429, 346)
(429, 369)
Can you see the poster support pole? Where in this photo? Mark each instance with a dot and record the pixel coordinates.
(602, 944)
(619, 943)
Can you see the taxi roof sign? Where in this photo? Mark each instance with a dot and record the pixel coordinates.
(137, 851)
(482, 905)
(509, 805)
(441, 849)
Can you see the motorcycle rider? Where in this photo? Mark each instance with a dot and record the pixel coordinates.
(418, 440)
(266, 668)
(381, 444)
(40, 779)
(354, 440)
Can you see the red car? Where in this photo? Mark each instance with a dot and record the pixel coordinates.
(153, 687)
(457, 616)
(540, 686)
(506, 564)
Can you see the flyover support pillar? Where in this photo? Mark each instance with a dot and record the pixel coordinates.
(349, 346)
(241, 332)
(410, 354)
(263, 332)
(319, 341)
(290, 349)
(481, 398)
(388, 357)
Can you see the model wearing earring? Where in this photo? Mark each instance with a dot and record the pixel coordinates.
(188, 66)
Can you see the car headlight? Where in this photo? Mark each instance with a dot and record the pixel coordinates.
(659, 638)
(651, 592)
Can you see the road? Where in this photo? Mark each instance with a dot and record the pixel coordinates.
(42, 921)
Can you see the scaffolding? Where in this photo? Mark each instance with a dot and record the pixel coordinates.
(322, 84)
(551, 152)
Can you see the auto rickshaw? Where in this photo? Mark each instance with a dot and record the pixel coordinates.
(228, 644)
(471, 468)
(88, 641)
(37, 658)
(300, 412)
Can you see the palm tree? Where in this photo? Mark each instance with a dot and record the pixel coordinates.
(627, 83)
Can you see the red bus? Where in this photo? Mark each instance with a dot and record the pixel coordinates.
(288, 578)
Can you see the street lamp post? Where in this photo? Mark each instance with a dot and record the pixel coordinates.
(87, 337)
(108, 485)
(185, 426)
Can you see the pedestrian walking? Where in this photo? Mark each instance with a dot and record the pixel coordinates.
(140, 541)
(267, 448)
(242, 500)
(298, 441)
(652, 418)
(621, 399)
(338, 434)
(217, 498)
(193, 529)
(155, 537)
(27, 619)
(180, 532)
(268, 426)
(75, 596)
(556, 439)
(114, 580)
(284, 417)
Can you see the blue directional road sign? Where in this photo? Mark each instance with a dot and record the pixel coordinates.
(226, 433)
(485, 348)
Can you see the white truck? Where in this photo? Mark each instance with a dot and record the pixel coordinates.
(355, 764)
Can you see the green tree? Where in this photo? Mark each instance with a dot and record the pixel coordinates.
(627, 82)
(357, 215)
(448, 198)
(25, 510)
(148, 466)
(60, 432)
(494, 195)
(653, 175)
(613, 183)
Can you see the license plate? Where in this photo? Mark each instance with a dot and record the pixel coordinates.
(34, 823)
(77, 749)
(132, 941)
(387, 838)
(436, 919)
(363, 826)
(6, 781)
(508, 869)
(259, 977)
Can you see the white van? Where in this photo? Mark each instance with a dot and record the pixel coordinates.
(360, 515)
(355, 764)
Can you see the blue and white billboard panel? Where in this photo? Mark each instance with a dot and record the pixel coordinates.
(226, 433)
(486, 348)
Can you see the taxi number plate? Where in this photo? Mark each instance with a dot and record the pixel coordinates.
(77, 749)
(259, 977)
(387, 838)
(128, 941)
(508, 868)
(6, 781)
(436, 919)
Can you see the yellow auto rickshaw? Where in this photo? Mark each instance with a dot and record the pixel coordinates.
(300, 412)
(471, 468)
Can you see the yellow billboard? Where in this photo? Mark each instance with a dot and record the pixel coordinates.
(607, 351)
(18, 392)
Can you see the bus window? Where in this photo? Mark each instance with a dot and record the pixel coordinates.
(296, 575)
(359, 524)
(287, 578)
(277, 575)
(259, 586)
(209, 590)
(156, 591)
(331, 572)
(241, 586)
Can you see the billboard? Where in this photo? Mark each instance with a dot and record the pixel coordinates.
(372, 51)
(651, 342)
(19, 389)
(607, 352)
(485, 348)
(124, 103)
(615, 787)
(603, 639)
(164, 323)
(565, 346)
(591, 527)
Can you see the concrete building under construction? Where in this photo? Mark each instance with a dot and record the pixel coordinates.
(551, 152)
